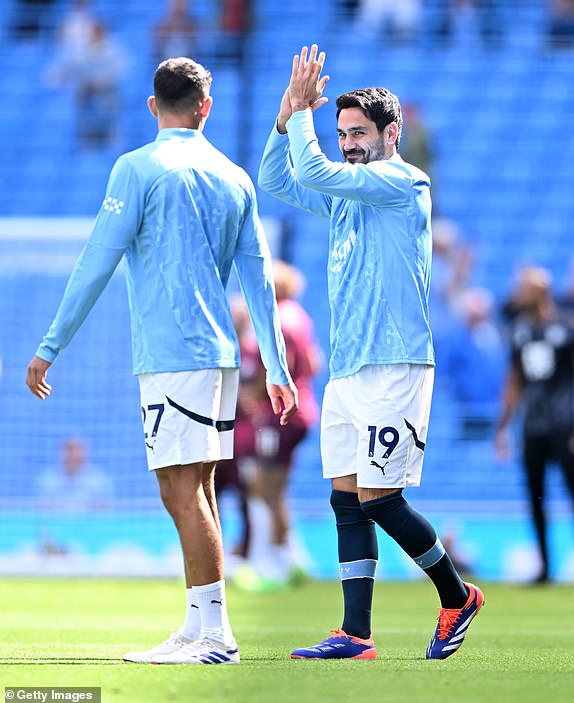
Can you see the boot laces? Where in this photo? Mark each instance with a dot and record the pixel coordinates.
(446, 621)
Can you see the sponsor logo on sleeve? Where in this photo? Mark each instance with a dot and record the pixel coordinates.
(113, 205)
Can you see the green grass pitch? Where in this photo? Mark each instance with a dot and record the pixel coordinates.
(59, 632)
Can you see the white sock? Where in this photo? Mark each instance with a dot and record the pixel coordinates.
(213, 611)
(192, 624)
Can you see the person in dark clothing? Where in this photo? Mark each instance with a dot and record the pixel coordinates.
(541, 383)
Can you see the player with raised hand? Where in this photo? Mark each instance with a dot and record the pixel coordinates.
(377, 403)
(182, 214)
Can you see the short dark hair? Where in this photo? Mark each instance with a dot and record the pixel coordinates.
(378, 104)
(179, 84)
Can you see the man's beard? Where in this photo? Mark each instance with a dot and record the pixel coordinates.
(362, 156)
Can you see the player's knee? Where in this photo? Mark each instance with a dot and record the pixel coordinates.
(179, 499)
(347, 508)
(385, 511)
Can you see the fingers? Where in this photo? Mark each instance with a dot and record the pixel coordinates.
(276, 405)
(284, 401)
(39, 387)
(36, 378)
(295, 67)
(322, 83)
(287, 414)
(318, 103)
(313, 64)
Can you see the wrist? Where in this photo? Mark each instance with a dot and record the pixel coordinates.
(299, 106)
(281, 124)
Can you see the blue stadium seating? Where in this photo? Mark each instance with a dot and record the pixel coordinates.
(500, 119)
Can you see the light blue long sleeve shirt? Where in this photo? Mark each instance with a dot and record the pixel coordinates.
(182, 214)
(379, 245)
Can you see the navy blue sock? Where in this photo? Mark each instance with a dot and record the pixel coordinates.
(416, 536)
(358, 554)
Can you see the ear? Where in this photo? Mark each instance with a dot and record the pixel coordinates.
(205, 107)
(152, 105)
(392, 132)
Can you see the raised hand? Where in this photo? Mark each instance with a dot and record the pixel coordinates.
(306, 85)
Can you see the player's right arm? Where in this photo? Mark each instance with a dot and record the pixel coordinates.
(277, 177)
(114, 229)
(276, 174)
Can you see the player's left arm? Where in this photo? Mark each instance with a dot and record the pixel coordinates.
(254, 269)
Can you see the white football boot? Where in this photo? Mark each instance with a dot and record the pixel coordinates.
(203, 651)
(175, 642)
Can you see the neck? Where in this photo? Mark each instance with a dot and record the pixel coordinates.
(168, 121)
(544, 311)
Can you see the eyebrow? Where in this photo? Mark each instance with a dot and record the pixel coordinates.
(350, 129)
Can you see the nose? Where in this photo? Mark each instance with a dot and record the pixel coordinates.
(349, 143)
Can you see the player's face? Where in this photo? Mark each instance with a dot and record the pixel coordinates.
(359, 139)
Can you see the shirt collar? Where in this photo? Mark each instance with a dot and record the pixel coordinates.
(181, 132)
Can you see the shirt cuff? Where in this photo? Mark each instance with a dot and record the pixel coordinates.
(298, 117)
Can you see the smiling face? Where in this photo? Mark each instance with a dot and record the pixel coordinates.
(359, 139)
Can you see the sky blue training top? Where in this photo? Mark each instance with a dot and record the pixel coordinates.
(379, 245)
(182, 213)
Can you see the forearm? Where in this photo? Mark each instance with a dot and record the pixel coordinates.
(254, 273)
(277, 177)
(87, 281)
(510, 401)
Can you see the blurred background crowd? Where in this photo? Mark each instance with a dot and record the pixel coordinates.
(487, 109)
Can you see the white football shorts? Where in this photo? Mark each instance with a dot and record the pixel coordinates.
(188, 416)
(374, 424)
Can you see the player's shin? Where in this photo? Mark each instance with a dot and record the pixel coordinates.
(358, 554)
(416, 536)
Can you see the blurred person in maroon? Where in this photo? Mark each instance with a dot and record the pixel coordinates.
(234, 26)
(265, 451)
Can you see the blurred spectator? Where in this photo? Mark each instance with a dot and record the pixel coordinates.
(467, 23)
(561, 26)
(74, 33)
(264, 450)
(475, 360)
(94, 74)
(234, 26)
(275, 446)
(31, 17)
(541, 383)
(75, 483)
(451, 264)
(415, 142)
(460, 561)
(389, 18)
(176, 34)
(348, 8)
(233, 474)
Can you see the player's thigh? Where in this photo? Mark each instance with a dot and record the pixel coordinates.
(339, 436)
(390, 409)
(188, 416)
